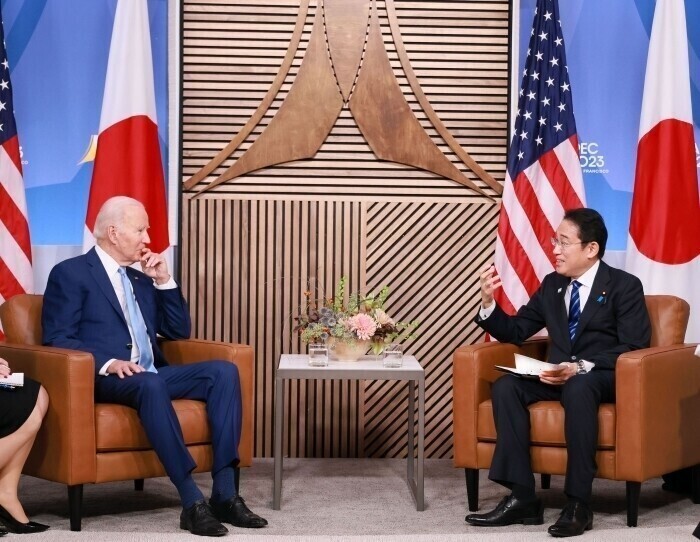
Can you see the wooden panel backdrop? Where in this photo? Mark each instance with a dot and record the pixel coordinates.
(383, 154)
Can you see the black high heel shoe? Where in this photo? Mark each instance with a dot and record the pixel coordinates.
(17, 527)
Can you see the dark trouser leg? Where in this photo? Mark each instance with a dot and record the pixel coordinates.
(148, 394)
(217, 383)
(510, 397)
(581, 397)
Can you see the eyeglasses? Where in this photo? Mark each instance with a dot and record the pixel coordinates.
(564, 244)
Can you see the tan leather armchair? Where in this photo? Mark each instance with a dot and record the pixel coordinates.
(81, 442)
(652, 429)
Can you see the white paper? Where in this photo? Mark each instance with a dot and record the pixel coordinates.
(15, 379)
(697, 351)
(528, 366)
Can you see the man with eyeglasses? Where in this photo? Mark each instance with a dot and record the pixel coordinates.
(592, 313)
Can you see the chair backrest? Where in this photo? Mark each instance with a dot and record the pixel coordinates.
(21, 319)
(669, 319)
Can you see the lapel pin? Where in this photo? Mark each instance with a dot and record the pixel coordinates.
(559, 291)
(602, 299)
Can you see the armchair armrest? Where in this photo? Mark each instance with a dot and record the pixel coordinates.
(657, 405)
(64, 450)
(473, 374)
(194, 350)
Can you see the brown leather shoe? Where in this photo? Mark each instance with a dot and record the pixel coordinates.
(574, 520)
(508, 512)
(235, 512)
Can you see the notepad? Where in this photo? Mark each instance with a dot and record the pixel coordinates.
(15, 380)
(526, 367)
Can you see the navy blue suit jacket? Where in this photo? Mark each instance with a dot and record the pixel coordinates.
(614, 320)
(81, 311)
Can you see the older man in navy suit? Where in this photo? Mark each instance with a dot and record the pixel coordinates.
(593, 313)
(98, 304)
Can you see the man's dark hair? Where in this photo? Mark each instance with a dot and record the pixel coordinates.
(591, 227)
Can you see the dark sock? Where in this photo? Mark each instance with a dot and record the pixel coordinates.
(523, 493)
(189, 492)
(223, 488)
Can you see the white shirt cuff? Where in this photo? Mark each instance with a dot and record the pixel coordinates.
(103, 370)
(485, 313)
(588, 365)
(167, 286)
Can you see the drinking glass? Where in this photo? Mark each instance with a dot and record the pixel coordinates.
(318, 355)
(393, 356)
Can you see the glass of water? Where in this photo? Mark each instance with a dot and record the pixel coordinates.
(393, 355)
(318, 355)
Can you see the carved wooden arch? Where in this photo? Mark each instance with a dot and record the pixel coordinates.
(324, 85)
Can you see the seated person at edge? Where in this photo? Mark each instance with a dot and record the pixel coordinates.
(96, 303)
(22, 410)
(592, 313)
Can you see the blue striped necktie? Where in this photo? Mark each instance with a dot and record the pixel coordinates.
(138, 326)
(574, 309)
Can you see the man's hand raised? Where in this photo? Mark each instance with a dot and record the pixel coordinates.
(124, 368)
(489, 283)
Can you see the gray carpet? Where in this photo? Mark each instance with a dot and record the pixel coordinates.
(349, 500)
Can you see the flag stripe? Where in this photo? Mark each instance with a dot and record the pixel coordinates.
(15, 224)
(541, 228)
(516, 255)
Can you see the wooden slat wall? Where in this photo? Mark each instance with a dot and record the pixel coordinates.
(252, 245)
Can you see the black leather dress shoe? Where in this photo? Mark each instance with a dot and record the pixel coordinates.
(199, 519)
(235, 512)
(574, 520)
(11, 525)
(509, 511)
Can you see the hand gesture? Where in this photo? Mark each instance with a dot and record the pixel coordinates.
(124, 368)
(559, 374)
(489, 283)
(155, 266)
(4, 368)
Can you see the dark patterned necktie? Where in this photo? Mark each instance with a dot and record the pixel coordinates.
(574, 309)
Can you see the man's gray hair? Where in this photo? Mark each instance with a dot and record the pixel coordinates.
(112, 214)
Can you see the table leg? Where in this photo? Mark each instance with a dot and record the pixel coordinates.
(420, 504)
(279, 417)
(411, 434)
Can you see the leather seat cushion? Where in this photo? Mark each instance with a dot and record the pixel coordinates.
(118, 427)
(547, 424)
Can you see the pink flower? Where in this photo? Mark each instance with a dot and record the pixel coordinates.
(383, 318)
(363, 325)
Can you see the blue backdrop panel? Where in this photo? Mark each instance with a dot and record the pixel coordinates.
(58, 58)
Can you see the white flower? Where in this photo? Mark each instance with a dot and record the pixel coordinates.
(382, 318)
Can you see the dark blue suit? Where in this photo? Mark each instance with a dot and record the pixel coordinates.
(81, 312)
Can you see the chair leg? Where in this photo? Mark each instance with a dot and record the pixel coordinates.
(237, 479)
(695, 484)
(633, 490)
(472, 476)
(546, 480)
(138, 484)
(75, 506)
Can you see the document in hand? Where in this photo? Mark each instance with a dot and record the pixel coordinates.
(526, 367)
(15, 380)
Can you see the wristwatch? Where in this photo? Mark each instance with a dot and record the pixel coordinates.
(581, 367)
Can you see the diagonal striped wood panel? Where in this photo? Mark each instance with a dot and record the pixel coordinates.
(430, 255)
(252, 245)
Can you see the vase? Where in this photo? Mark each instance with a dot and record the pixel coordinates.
(347, 350)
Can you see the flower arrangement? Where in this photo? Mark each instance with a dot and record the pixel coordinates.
(360, 318)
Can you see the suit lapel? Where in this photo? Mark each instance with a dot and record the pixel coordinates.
(98, 272)
(599, 290)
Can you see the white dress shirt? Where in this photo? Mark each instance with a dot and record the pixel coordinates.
(112, 268)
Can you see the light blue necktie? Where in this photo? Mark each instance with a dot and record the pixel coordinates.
(574, 309)
(138, 326)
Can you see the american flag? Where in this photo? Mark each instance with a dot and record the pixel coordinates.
(15, 247)
(544, 174)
